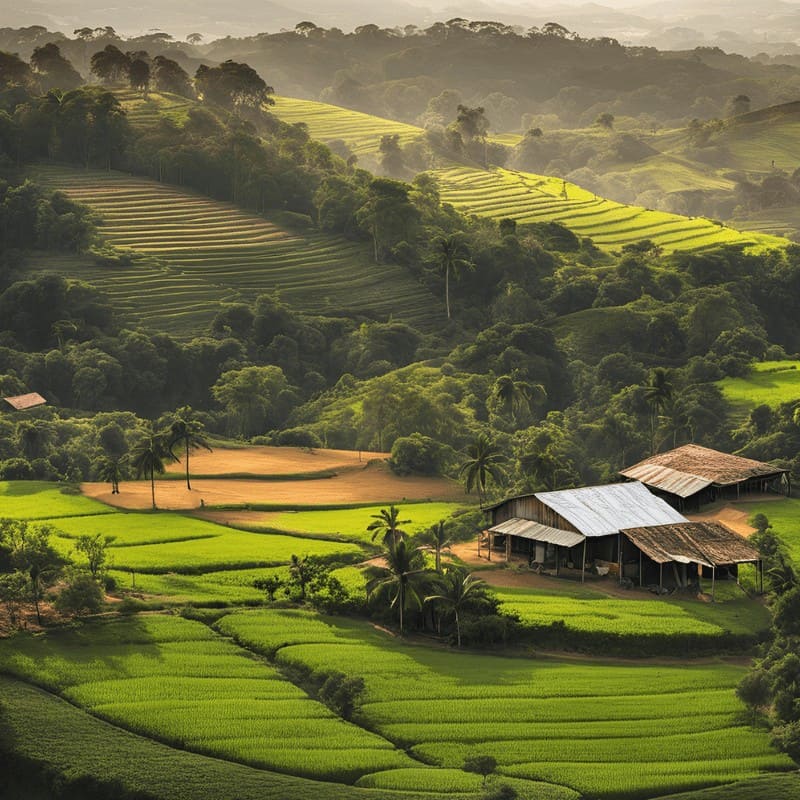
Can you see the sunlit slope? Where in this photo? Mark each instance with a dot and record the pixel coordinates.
(361, 132)
(147, 111)
(215, 251)
(526, 197)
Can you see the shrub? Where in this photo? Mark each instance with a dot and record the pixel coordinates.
(81, 595)
(15, 469)
(416, 454)
(298, 437)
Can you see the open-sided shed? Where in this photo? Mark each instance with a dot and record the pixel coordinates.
(709, 545)
(692, 475)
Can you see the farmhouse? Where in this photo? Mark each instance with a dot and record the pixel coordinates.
(22, 401)
(691, 476)
(621, 529)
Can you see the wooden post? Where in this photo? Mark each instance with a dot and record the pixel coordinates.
(508, 547)
(491, 542)
(660, 577)
(619, 553)
(713, 581)
(760, 576)
(641, 578)
(558, 559)
(583, 561)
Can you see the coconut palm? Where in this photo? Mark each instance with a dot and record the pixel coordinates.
(657, 393)
(387, 525)
(149, 457)
(400, 578)
(484, 461)
(438, 540)
(187, 431)
(451, 256)
(457, 587)
(514, 396)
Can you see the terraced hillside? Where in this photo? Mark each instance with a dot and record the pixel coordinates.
(526, 197)
(144, 111)
(361, 132)
(208, 251)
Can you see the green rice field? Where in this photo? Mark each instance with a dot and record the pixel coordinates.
(784, 516)
(644, 729)
(769, 383)
(42, 500)
(361, 132)
(202, 252)
(351, 524)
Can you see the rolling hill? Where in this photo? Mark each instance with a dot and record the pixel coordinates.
(527, 197)
(203, 252)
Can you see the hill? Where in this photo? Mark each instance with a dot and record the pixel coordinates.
(205, 251)
(526, 197)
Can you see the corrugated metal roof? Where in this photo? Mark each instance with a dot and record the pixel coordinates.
(23, 401)
(528, 529)
(698, 463)
(603, 510)
(707, 543)
(667, 479)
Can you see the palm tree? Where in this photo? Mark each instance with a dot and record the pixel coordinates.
(451, 256)
(514, 396)
(110, 471)
(657, 392)
(400, 577)
(484, 461)
(437, 538)
(185, 429)
(149, 457)
(674, 419)
(457, 587)
(387, 525)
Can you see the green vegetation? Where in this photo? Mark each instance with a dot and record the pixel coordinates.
(202, 252)
(784, 517)
(767, 383)
(351, 524)
(43, 500)
(547, 718)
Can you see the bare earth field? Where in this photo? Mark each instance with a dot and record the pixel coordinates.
(375, 483)
(273, 460)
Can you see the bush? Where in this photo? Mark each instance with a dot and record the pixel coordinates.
(15, 469)
(416, 454)
(298, 437)
(82, 595)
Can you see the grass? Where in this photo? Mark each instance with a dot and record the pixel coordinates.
(351, 524)
(784, 517)
(593, 612)
(645, 729)
(176, 681)
(769, 383)
(80, 745)
(203, 252)
(41, 500)
(176, 543)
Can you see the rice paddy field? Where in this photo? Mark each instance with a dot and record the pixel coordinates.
(768, 383)
(599, 729)
(200, 252)
(34, 500)
(500, 193)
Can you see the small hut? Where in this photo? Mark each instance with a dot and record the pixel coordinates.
(21, 402)
(691, 476)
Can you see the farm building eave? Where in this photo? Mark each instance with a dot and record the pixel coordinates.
(708, 543)
(22, 401)
(528, 529)
(691, 468)
(605, 510)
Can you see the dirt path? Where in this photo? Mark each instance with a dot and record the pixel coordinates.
(375, 483)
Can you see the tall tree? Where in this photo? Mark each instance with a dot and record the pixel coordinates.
(451, 256)
(516, 396)
(187, 431)
(388, 215)
(437, 538)
(233, 85)
(400, 578)
(109, 470)
(53, 70)
(387, 525)
(484, 462)
(110, 64)
(657, 393)
(149, 457)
